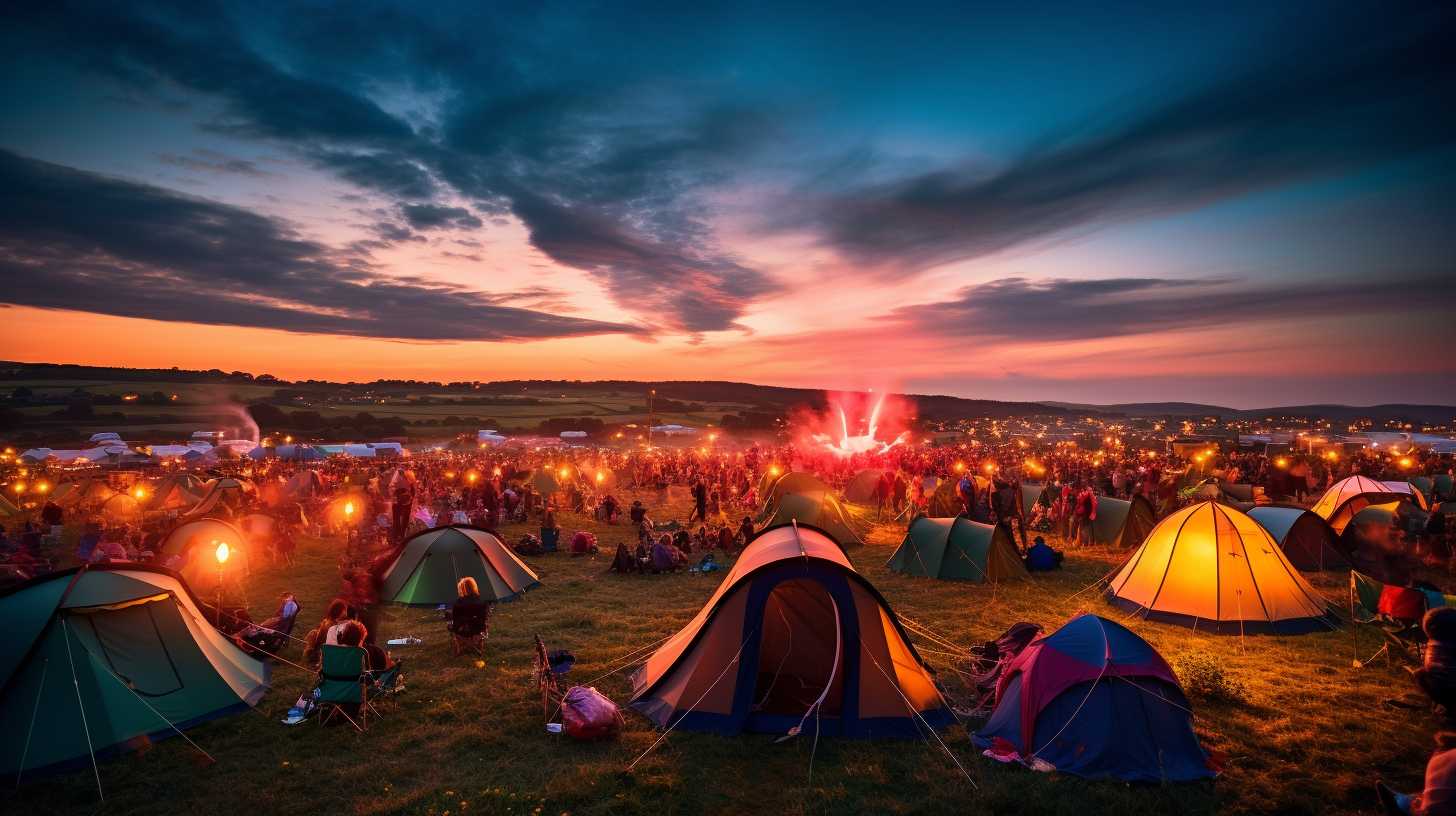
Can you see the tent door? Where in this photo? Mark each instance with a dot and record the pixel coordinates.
(796, 652)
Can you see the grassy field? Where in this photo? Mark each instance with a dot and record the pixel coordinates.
(1309, 736)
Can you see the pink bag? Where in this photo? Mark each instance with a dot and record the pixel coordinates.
(587, 714)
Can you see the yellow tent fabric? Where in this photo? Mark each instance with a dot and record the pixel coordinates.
(762, 651)
(1211, 566)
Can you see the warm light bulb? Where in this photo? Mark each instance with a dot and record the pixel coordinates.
(222, 552)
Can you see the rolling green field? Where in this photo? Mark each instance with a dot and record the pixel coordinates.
(1307, 734)
(204, 405)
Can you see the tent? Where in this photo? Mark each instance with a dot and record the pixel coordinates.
(1121, 523)
(1307, 541)
(434, 560)
(797, 483)
(861, 486)
(1031, 493)
(957, 548)
(1210, 566)
(1247, 493)
(1412, 494)
(8, 508)
(175, 492)
(792, 637)
(302, 485)
(1094, 700)
(1349, 496)
(1368, 533)
(544, 480)
(121, 508)
(1443, 487)
(110, 654)
(191, 549)
(820, 510)
(88, 493)
(219, 495)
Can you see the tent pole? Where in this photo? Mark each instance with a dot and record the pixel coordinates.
(40, 689)
(76, 683)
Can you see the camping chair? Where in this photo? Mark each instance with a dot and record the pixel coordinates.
(342, 681)
(1397, 611)
(468, 629)
(383, 686)
(270, 642)
(548, 671)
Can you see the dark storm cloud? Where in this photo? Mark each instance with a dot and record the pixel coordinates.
(630, 168)
(432, 216)
(1060, 309)
(76, 240)
(210, 161)
(1347, 98)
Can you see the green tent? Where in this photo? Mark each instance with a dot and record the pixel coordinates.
(433, 562)
(1425, 484)
(795, 483)
(861, 488)
(1031, 493)
(1122, 523)
(957, 549)
(946, 502)
(819, 510)
(1445, 488)
(107, 654)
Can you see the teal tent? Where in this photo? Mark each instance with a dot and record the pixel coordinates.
(957, 549)
(1123, 523)
(97, 659)
(433, 562)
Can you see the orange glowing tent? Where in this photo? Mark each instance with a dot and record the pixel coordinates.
(1349, 496)
(792, 634)
(1211, 566)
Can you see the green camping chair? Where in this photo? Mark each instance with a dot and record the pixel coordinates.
(343, 680)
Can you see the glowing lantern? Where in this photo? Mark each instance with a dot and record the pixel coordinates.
(773, 470)
(471, 477)
(348, 509)
(1281, 463)
(1405, 461)
(139, 493)
(18, 487)
(288, 440)
(601, 477)
(989, 467)
(565, 472)
(960, 466)
(222, 553)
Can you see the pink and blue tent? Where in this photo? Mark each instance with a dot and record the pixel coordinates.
(1094, 700)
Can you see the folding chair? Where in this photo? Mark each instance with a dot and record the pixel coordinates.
(468, 629)
(384, 686)
(343, 680)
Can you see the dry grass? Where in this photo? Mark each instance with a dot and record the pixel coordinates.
(1309, 735)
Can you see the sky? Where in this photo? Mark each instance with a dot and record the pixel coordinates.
(1246, 204)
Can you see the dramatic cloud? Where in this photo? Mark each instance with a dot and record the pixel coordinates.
(76, 240)
(210, 161)
(1059, 309)
(1350, 98)
(431, 216)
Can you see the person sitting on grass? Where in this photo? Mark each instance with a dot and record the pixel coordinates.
(1439, 796)
(745, 531)
(623, 561)
(666, 557)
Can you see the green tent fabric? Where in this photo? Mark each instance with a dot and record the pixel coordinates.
(1121, 523)
(1425, 484)
(124, 646)
(1031, 493)
(795, 482)
(817, 510)
(545, 482)
(861, 487)
(957, 549)
(434, 560)
(1306, 539)
(1444, 486)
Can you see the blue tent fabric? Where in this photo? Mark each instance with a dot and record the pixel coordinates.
(1135, 730)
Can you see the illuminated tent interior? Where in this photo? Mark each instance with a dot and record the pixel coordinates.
(191, 549)
(793, 636)
(944, 502)
(111, 654)
(1212, 567)
(819, 510)
(433, 561)
(1306, 539)
(957, 549)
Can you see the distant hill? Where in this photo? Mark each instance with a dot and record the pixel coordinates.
(757, 397)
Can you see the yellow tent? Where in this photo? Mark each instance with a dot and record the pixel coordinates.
(1210, 566)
